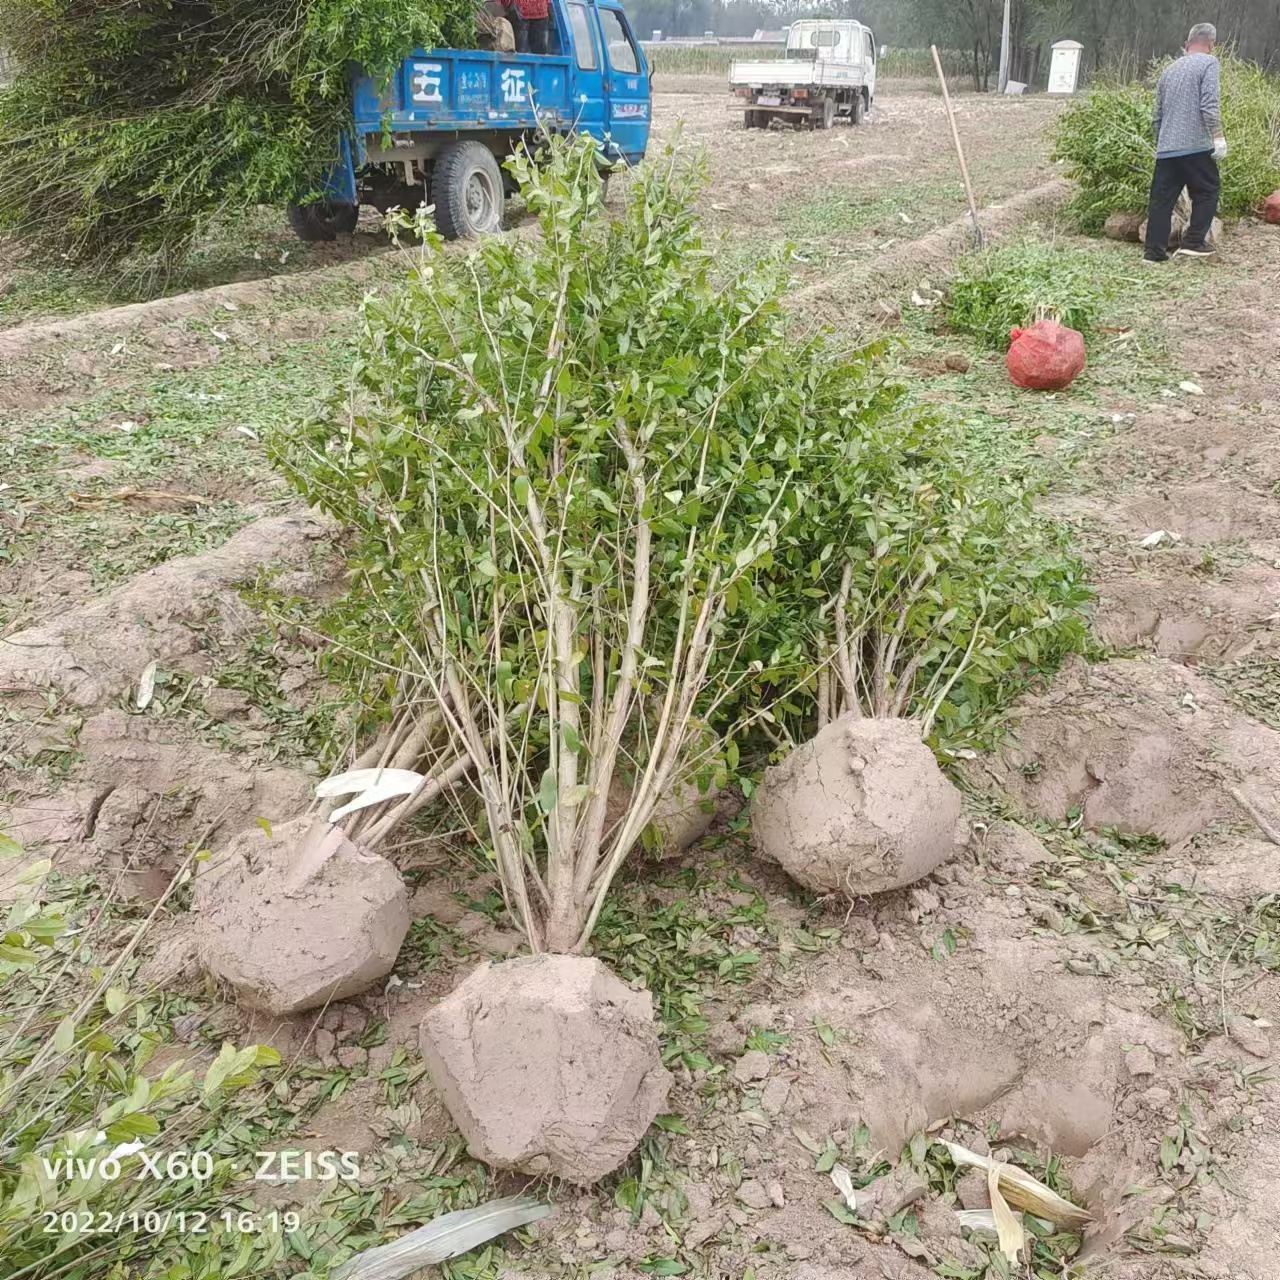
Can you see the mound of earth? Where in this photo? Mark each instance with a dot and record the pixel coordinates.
(144, 789)
(1144, 746)
(97, 651)
(1160, 605)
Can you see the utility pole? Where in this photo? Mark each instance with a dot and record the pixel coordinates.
(1005, 51)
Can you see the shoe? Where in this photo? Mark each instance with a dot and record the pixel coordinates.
(1154, 262)
(1195, 251)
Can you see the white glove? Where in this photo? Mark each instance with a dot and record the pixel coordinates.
(1219, 148)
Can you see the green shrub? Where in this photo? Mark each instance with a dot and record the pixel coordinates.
(610, 514)
(939, 590)
(1015, 285)
(1106, 140)
(129, 129)
(567, 466)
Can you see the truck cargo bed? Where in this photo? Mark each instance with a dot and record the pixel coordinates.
(790, 72)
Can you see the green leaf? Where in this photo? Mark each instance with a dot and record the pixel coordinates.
(842, 1213)
(672, 1124)
(265, 824)
(919, 1148)
(9, 848)
(30, 874)
(664, 1267)
(547, 793)
(65, 1036)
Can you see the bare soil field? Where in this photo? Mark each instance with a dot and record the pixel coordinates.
(1090, 986)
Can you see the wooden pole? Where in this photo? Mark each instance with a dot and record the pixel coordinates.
(955, 137)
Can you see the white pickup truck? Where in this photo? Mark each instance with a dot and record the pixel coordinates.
(829, 71)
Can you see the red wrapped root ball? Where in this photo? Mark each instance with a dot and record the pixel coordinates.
(1046, 357)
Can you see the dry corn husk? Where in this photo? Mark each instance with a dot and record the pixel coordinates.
(1023, 1191)
(1008, 1224)
(448, 1236)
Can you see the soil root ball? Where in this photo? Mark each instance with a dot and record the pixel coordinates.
(680, 819)
(285, 945)
(1046, 357)
(861, 808)
(548, 1064)
(1125, 226)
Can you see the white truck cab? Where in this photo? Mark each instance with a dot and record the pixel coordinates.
(829, 70)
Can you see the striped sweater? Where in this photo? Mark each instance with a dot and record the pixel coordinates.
(1188, 106)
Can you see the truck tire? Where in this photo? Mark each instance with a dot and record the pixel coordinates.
(823, 114)
(753, 120)
(466, 189)
(857, 111)
(323, 220)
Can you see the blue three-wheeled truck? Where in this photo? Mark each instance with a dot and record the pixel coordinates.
(439, 130)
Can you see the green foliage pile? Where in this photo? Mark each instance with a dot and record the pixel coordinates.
(1106, 140)
(81, 1093)
(128, 128)
(1017, 284)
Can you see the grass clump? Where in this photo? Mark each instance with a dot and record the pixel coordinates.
(1107, 142)
(1015, 285)
(130, 129)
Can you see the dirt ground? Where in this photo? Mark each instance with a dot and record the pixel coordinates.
(1093, 984)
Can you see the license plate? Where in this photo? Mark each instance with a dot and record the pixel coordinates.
(769, 100)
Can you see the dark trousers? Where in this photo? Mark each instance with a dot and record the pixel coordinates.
(537, 29)
(1199, 175)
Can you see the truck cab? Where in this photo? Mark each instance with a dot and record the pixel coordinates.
(829, 72)
(438, 130)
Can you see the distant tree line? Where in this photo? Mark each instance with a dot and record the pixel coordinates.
(1123, 35)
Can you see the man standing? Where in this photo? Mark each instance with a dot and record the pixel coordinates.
(1189, 144)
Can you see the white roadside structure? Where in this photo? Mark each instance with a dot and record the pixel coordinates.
(1064, 67)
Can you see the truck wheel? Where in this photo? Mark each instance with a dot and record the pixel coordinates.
(751, 120)
(823, 115)
(466, 189)
(856, 112)
(323, 220)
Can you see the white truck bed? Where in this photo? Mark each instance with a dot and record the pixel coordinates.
(795, 71)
